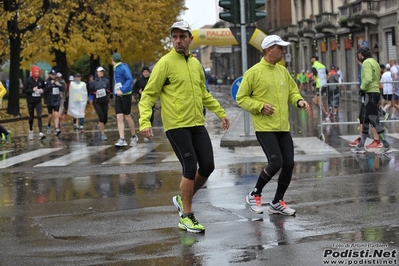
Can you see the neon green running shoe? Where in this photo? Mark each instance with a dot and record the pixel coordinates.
(191, 224)
(6, 138)
(179, 204)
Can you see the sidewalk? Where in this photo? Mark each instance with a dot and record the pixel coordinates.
(235, 136)
(19, 125)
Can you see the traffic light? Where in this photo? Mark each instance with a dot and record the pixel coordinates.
(253, 13)
(231, 11)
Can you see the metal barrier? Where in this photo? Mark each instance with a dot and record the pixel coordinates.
(349, 105)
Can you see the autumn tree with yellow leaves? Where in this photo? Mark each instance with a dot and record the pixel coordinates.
(61, 31)
(18, 23)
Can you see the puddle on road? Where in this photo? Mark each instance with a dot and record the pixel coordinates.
(30, 189)
(387, 235)
(366, 163)
(36, 190)
(33, 189)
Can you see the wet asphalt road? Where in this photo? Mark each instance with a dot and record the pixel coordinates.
(105, 211)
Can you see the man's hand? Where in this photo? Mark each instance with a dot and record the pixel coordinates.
(304, 105)
(119, 93)
(267, 109)
(147, 132)
(225, 123)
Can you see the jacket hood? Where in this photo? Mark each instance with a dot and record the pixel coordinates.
(34, 69)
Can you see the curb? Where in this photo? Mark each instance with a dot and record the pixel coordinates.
(235, 136)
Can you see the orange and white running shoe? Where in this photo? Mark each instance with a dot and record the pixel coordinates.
(281, 208)
(355, 142)
(376, 144)
(254, 202)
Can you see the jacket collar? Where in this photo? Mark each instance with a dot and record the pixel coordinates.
(267, 64)
(173, 51)
(116, 65)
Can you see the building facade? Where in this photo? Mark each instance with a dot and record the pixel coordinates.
(335, 29)
(331, 29)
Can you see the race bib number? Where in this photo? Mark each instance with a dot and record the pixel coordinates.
(101, 93)
(36, 94)
(56, 90)
(117, 87)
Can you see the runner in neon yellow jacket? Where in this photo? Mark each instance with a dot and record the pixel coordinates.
(181, 85)
(270, 84)
(266, 91)
(178, 78)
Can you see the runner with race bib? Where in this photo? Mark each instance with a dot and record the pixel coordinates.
(123, 81)
(52, 99)
(99, 87)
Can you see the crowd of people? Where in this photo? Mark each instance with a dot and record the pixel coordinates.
(320, 81)
(378, 93)
(71, 98)
(314, 82)
(390, 91)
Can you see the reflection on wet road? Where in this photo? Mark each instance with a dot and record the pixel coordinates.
(30, 188)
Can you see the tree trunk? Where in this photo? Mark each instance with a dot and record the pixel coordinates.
(111, 79)
(61, 62)
(94, 64)
(15, 55)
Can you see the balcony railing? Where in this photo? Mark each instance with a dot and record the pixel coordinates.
(359, 13)
(292, 29)
(306, 28)
(373, 6)
(370, 6)
(326, 22)
(326, 18)
(309, 23)
(357, 7)
(344, 11)
(291, 33)
(300, 25)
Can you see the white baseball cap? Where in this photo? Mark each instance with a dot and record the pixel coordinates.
(388, 66)
(71, 78)
(59, 74)
(100, 68)
(271, 40)
(182, 25)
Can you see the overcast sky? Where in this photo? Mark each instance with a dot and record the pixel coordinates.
(200, 13)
